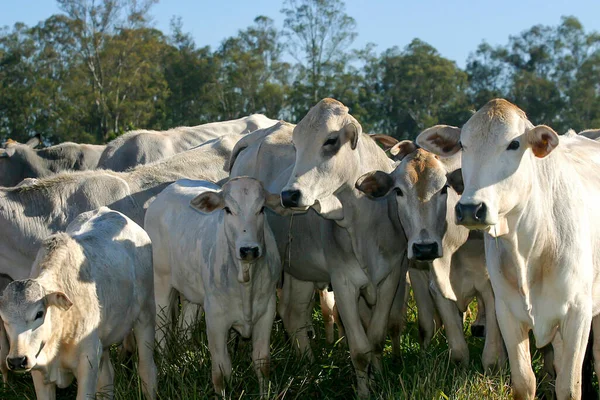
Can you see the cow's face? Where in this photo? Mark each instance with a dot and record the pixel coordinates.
(15, 161)
(242, 201)
(25, 308)
(420, 186)
(498, 145)
(326, 156)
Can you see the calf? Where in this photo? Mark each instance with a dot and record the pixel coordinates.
(421, 184)
(536, 195)
(224, 258)
(89, 287)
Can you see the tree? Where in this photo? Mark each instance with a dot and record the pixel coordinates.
(318, 34)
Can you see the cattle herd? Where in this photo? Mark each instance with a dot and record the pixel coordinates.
(246, 219)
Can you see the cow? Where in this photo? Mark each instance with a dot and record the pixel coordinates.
(19, 161)
(214, 246)
(89, 287)
(535, 195)
(350, 243)
(421, 183)
(145, 146)
(31, 212)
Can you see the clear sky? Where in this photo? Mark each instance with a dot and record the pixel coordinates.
(454, 27)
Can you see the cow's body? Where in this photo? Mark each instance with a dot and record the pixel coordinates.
(19, 161)
(353, 246)
(89, 287)
(32, 212)
(144, 146)
(536, 195)
(196, 255)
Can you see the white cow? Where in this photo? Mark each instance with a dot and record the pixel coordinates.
(89, 287)
(354, 246)
(221, 254)
(144, 146)
(421, 183)
(536, 194)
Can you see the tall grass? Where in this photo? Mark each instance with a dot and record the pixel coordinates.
(185, 373)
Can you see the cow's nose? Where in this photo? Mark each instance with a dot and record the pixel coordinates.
(17, 363)
(471, 214)
(290, 198)
(425, 251)
(249, 253)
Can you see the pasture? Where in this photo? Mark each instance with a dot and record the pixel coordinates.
(419, 374)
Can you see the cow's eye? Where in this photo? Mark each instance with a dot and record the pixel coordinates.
(399, 192)
(513, 145)
(445, 189)
(330, 142)
(39, 315)
(227, 210)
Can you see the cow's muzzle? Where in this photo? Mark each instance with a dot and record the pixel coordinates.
(425, 251)
(291, 198)
(249, 253)
(17, 364)
(472, 215)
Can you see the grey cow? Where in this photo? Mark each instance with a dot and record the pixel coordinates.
(19, 161)
(146, 146)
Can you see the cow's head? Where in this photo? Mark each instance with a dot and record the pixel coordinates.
(325, 142)
(242, 201)
(498, 146)
(16, 161)
(420, 184)
(26, 307)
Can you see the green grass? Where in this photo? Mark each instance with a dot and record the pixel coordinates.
(419, 374)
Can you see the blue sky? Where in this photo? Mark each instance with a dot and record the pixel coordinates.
(454, 27)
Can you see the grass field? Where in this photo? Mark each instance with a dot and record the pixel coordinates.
(419, 374)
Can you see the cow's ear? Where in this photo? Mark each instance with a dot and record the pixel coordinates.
(384, 141)
(402, 149)
(208, 202)
(443, 140)
(351, 132)
(59, 300)
(273, 202)
(375, 184)
(455, 180)
(542, 140)
(34, 141)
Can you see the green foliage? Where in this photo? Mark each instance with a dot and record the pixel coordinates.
(99, 69)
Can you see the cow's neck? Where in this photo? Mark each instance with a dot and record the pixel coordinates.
(373, 226)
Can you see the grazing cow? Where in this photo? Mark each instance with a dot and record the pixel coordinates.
(535, 194)
(19, 161)
(89, 287)
(224, 258)
(354, 246)
(456, 259)
(30, 213)
(144, 147)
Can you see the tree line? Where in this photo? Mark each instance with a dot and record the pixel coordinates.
(99, 69)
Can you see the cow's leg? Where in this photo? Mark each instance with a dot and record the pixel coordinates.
(397, 320)
(88, 367)
(189, 315)
(297, 313)
(479, 325)
(347, 295)
(106, 376)
(327, 302)
(145, 335)
(574, 329)
(43, 390)
(453, 325)
(596, 344)
(164, 295)
(339, 324)
(516, 337)
(4, 347)
(494, 354)
(378, 327)
(427, 314)
(217, 332)
(261, 341)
